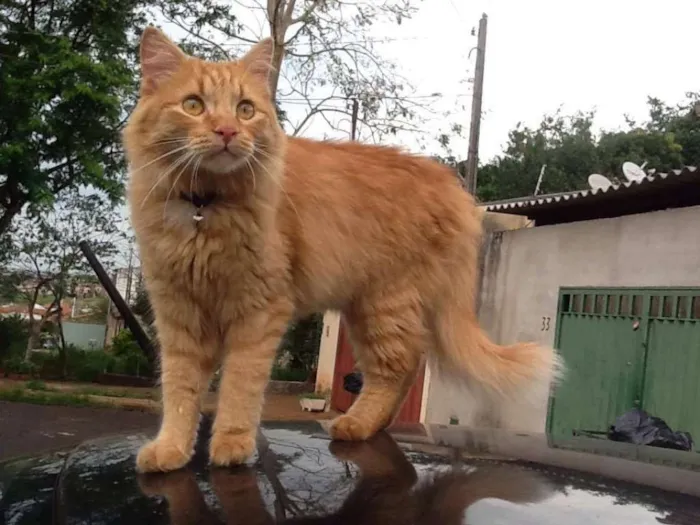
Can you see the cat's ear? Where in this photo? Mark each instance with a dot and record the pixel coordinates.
(258, 61)
(160, 58)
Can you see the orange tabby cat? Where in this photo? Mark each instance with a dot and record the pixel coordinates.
(241, 228)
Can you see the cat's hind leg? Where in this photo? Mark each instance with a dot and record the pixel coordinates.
(389, 338)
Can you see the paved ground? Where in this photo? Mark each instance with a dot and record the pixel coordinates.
(30, 429)
(277, 406)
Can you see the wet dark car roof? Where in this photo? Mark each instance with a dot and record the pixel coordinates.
(412, 475)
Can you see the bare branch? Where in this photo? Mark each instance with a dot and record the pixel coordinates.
(199, 36)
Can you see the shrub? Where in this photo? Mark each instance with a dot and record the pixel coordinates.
(48, 364)
(14, 334)
(312, 395)
(289, 374)
(17, 365)
(87, 365)
(124, 344)
(37, 386)
(129, 358)
(301, 342)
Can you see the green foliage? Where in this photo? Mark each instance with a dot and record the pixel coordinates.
(312, 395)
(22, 395)
(571, 150)
(17, 365)
(124, 344)
(37, 385)
(107, 392)
(14, 333)
(141, 306)
(129, 359)
(289, 374)
(66, 76)
(87, 365)
(125, 357)
(9, 280)
(302, 342)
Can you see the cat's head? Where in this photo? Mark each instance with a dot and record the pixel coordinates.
(218, 116)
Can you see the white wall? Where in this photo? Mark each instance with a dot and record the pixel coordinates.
(524, 269)
(327, 352)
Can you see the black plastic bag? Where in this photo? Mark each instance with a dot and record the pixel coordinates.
(352, 382)
(639, 428)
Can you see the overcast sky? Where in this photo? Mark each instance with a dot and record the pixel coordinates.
(541, 54)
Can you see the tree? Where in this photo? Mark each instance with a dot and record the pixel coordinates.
(325, 57)
(571, 151)
(302, 342)
(66, 78)
(49, 258)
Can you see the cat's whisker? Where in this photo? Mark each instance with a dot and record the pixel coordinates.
(177, 178)
(265, 154)
(194, 178)
(169, 140)
(196, 172)
(277, 182)
(252, 175)
(150, 162)
(192, 175)
(173, 166)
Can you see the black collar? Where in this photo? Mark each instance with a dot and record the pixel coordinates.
(197, 200)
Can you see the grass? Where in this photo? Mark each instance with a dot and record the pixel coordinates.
(39, 393)
(312, 395)
(24, 395)
(36, 385)
(132, 394)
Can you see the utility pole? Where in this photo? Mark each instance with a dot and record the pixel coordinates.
(353, 122)
(475, 125)
(129, 272)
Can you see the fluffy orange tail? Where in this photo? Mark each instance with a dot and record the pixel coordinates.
(515, 374)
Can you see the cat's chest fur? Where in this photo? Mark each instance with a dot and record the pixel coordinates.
(226, 255)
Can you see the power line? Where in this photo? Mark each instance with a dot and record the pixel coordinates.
(343, 42)
(342, 99)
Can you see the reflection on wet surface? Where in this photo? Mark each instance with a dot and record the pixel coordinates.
(302, 478)
(380, 485)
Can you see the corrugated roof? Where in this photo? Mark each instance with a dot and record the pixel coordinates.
(523, 205)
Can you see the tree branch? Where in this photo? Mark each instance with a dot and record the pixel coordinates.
(305, 15)
(199, 36)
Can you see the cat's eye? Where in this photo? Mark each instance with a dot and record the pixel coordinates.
(245, 110)
(193, 105)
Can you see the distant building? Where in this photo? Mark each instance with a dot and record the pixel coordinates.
(127, 283)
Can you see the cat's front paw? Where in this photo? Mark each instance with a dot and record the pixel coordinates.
(160, 455)
(350, 428)
(227, 448)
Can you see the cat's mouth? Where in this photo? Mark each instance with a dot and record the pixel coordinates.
(228, 151)
(225, 159)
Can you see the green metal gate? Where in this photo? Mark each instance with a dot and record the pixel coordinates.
(627, 348)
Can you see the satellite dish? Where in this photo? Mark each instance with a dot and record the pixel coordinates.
(599, 182)
(633, 172)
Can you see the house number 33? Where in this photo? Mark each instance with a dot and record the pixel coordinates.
(545, 324)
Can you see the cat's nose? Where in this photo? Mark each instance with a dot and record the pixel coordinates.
(226, 133)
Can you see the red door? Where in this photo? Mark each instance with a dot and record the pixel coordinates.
(341, 400)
